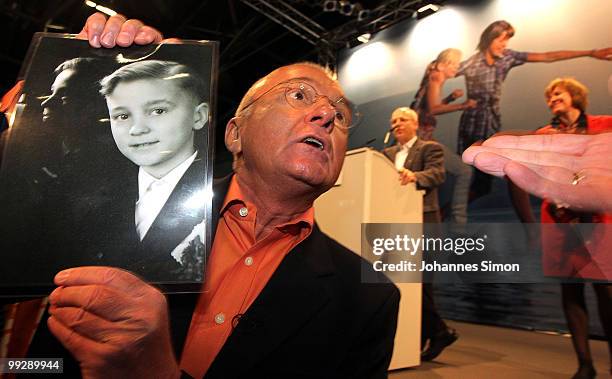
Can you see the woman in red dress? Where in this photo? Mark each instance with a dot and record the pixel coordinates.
(577, 253)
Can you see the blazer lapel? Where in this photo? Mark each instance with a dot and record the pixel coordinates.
(174, 222)
(295, 292)
(392, 152)
(413, 154)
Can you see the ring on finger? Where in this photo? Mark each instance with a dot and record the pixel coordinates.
(578, 176)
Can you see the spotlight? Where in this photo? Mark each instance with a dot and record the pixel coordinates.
(363, 14)
(346, 8)
(101, 8)
(426, 10)
(330, 6)
(364, 38)
(432, 7)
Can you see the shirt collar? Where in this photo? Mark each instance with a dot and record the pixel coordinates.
(234, 195)
(482, 58)
(171, 178)
(409, 144)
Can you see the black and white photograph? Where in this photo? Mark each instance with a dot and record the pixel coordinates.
(108, 162)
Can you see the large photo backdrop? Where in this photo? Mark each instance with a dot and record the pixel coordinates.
(385, 73)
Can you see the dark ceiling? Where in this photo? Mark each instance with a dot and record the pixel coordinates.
(252, 39)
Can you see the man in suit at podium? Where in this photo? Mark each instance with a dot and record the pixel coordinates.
(417, 161)
(422, 162)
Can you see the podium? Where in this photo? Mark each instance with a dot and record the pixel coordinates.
(368, 191)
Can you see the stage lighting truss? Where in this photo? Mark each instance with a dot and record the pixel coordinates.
(363, 14)
(388, 14)
(330, 6)
(327, 43)
(290, 18)
(346, 8)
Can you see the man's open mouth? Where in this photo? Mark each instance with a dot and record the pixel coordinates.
(314, 142)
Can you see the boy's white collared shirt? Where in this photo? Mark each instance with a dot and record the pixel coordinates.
(153, 194)
(402, 154)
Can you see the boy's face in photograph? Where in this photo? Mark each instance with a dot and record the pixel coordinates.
(152, 122)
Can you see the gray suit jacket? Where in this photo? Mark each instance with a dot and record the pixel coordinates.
(426, 160)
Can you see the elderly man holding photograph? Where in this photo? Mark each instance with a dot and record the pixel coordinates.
(281, 299)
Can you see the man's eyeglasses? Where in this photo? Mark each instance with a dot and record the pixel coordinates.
(300, 95)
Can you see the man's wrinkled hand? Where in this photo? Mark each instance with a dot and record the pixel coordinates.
(117, 31)
(114, 324)
(568, 169)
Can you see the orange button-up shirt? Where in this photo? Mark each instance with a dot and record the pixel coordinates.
(238, 269)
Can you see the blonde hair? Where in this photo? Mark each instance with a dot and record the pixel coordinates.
(449, 55)
(577, 91)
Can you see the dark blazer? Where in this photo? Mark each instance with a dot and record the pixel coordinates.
(314, 318)
(426, 160)
(96, 227)
(150, 258)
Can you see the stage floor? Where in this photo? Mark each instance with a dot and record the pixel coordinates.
(495, 352)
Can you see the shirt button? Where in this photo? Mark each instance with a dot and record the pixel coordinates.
(243, 211)
(248, 261)
(219, 318)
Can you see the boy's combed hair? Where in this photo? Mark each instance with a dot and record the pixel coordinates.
(184, 76)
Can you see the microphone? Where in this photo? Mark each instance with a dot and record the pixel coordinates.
(369, 142)
(388, 134)
(366, 144)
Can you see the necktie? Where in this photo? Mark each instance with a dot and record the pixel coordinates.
(149, 205)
